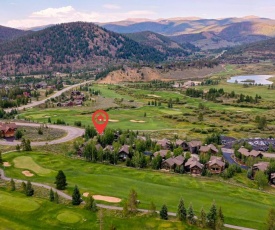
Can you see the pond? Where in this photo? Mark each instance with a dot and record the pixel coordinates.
(251, 79)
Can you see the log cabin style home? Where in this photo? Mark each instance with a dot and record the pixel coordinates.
(209, 149)
(162, 153)
(261, 166)
(193, 166)
(215, 165)
(194, 146)
(183, 144)
(8, 129)
(164, 143)
(253, 153)
(173, 162)
(124, 152)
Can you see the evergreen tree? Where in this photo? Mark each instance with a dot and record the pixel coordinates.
(76, 197)
(220, 214)
(12, 185)
(49, 120)
(56, 198)
(203, 218)
(91, 204)
(60, 180)
(181, 214)
(29, 189)
(164, 213)
(133, 204)
(270, 222)
(51, 195)
(212, 216)
(190, 214)
(23, 187)
(28, 145)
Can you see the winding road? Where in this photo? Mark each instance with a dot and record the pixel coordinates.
(58, 93)
(72, 133)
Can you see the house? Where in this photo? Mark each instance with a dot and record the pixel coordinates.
(109, 148)
(162, 153)
(183, 144)
(209, 149)
(193, 166)
(215, 165)
(173, 162)
(272, 178)
(253, 153)
(164, 143)
(261, 166)
(41, 85)
(194, 146)
(7, 129)
(124, 152)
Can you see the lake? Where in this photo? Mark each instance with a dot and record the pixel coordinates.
(254, 79)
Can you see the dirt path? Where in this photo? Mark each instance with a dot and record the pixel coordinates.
(58, 93)
(66, 196)
(72, 133)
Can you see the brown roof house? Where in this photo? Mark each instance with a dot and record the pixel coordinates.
(194, 166)
(7, 129)
(162, 153)
(253, 153)
(164, 143)
(124, 152)
(183, 144)
(215, 165)
(194, 146)
(173, 162)
(261, 166)
(209, 149)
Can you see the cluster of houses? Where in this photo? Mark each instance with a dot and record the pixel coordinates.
(76, 99)
(187, 84)
(7, 129)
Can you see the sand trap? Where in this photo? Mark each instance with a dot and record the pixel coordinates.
(27, 173)
(7, 164)
(137, 121)
(113, 120)
(86, 194)
(109, 199)
(153, 95)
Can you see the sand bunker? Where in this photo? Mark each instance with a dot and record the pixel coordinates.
(86, 194)
(27, 173)
(113, 120)
(153, 95)
(109, 199)
(7, 164)
(137, 121)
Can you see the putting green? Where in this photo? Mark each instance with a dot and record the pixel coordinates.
(17, 203)
(25, 162)
(69, 217)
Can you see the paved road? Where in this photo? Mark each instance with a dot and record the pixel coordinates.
(227, 153)
(72, 133)
(66, 196)
(58, 93)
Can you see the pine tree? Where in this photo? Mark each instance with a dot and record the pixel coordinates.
(12, 185)
(220, 214)
(1, 160)
(212, 216)
(203, 218)
(76, 197)
(190, 214)
(56, 198)
(164, 213)
(29, 189)
(181, 211)
(51, 195)
(60, 180)
(23, 187)
(91, 204)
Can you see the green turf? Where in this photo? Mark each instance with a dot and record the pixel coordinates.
(17, 203)
(69, 217)
(26, 162)
(242, 206)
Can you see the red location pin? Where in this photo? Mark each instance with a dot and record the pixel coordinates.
(100, 119)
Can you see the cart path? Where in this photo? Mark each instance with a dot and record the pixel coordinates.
(58, 93)
(66, 196)
(72, 133)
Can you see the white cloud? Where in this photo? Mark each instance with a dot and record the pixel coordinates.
(111, 7)
(70, 14)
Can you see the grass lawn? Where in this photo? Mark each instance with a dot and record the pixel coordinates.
(241, 206)
(35, 213)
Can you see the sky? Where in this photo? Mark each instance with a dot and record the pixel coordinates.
(32, 13)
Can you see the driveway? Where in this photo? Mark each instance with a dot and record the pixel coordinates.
(72, 133)
(227, 153)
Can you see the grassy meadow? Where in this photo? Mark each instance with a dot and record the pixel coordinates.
(241, 206)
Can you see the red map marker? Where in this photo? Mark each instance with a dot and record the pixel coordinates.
(100, 119)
